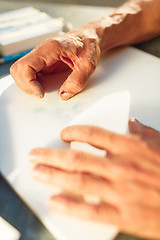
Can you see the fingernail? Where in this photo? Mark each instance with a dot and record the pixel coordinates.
(41, 90)
(66, 95)
(33, 154)
(40, 95)
(32, 158)
(134, 120)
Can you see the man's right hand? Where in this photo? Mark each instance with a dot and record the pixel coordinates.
(78, 50)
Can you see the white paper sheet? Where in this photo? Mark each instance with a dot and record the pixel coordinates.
(27, 122)
(110, 112)
(62, 226)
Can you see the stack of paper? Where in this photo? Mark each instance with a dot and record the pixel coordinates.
(23, 29)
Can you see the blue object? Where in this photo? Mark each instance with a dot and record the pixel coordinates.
(13, 57)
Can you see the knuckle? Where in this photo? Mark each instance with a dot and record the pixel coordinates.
(74, 159)
(71, 156)
(13, 69)
(76, 155)
(87, 132)
(75, 44)
(91, 65)
(50, 43)
(79, 86)
(54, 42)
(80, 181)
(136, 141)
(112, 139)
(18, 68)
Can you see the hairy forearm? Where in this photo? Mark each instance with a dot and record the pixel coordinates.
(133, 22)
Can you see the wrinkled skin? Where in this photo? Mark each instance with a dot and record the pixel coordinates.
(126, 180)
(78, 50)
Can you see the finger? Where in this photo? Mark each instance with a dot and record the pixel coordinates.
(111, 169)
(75, 161)
(96, 212)
(77, 80)
(77, 183)
(145, 132)
(131, 221)
(25, 70)
(92, 186)
(121, 148)
(24, 73)
(98, 137)
(83, 64)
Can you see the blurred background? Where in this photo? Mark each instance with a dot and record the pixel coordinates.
(75, 14)
(110, 3)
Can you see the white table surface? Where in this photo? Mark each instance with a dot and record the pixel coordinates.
(124, 69)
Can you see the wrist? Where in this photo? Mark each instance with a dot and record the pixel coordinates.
(118, 29)
(133, 22)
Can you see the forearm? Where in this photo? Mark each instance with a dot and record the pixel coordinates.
(133, 22)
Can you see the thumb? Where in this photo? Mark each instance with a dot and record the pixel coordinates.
(145, 132)
(135, 127)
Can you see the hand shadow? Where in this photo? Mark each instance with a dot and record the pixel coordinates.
(53, 81)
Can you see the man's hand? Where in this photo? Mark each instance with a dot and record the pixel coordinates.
(126, 180)
(78, 50)
(133, 22)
